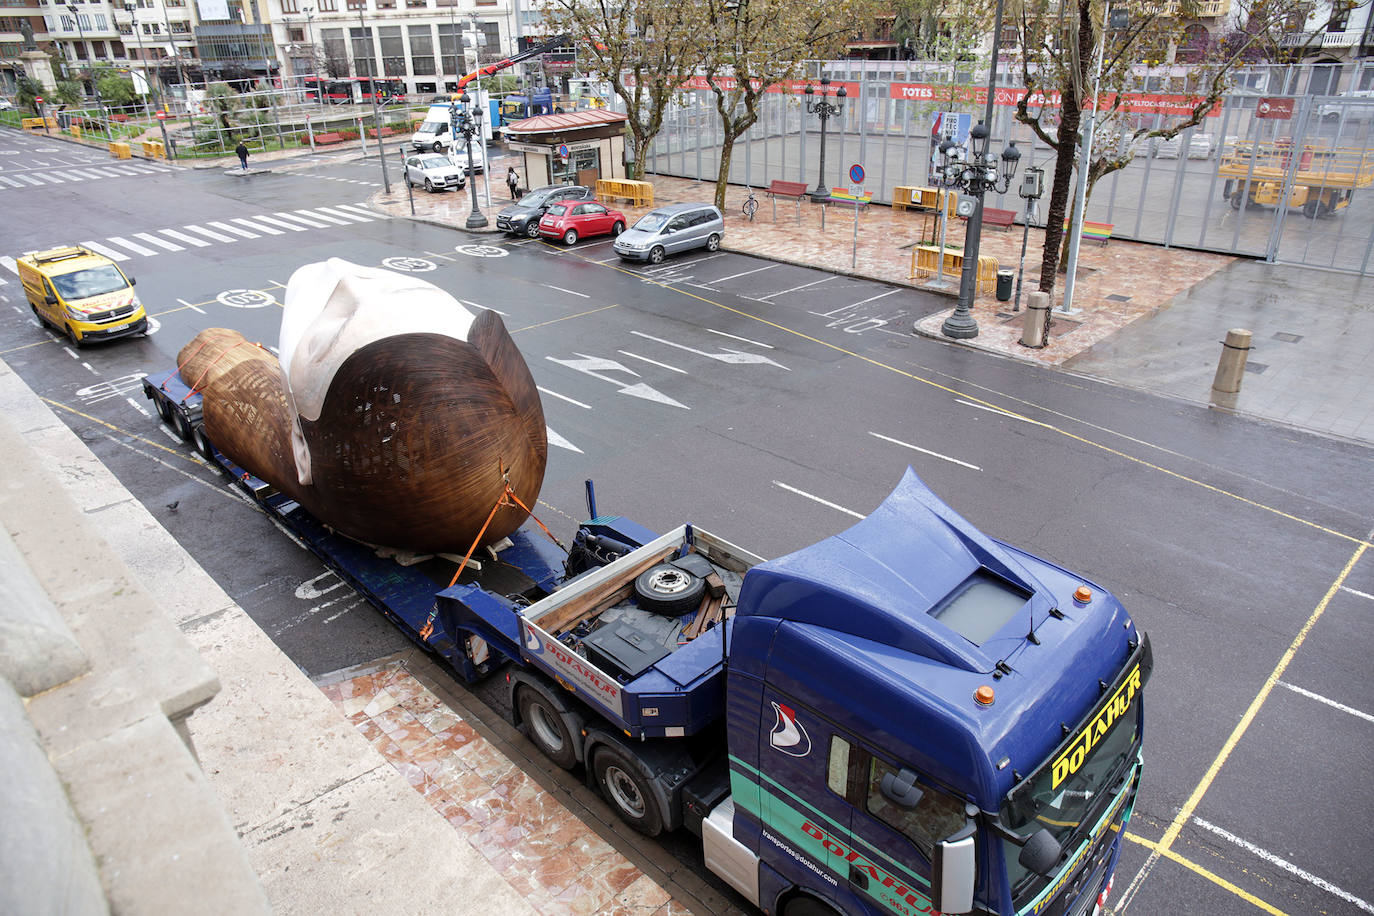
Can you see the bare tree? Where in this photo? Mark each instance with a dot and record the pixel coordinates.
(646, 50)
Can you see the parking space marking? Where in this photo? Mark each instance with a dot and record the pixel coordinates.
(784, 292)
(570, 292)
(1124, 900)
(745, 274)
(814, 498)
(1285, 865)
(1357, 592)
(1328, 701)
(923, 451)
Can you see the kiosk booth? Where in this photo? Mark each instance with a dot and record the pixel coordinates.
(576, 147)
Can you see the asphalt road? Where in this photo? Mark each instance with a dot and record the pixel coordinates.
(772, 404)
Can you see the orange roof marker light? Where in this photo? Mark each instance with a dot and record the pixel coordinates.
(1082, 594)
(984, 696)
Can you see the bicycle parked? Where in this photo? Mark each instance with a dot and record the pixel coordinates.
(751, 205)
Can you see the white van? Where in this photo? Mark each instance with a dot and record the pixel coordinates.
(433, 135)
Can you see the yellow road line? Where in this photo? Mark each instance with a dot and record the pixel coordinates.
(1186, 812)
(180, 453)
(1216, 879)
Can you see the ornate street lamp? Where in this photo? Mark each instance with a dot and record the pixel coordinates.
(825, 109)
(468, 122)
(81, 33)
(974, 174)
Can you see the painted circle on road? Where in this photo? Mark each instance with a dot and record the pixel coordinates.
(245, 298)
(410, 265)
(482, 251)
(856, 173)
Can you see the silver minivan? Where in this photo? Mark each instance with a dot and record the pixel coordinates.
(669, 230)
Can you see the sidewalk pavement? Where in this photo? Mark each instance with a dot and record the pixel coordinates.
(1143, 315)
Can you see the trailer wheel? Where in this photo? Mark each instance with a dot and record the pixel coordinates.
(546, 727)
(164, 410)
(668, 590)
(182, 427)
(627, 791)
(202, 442)
(807, 906)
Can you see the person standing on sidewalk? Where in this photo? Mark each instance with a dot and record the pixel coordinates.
(242, 152)
(512, 181)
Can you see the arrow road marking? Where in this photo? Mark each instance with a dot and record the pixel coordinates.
(732, 357)
(596, 366)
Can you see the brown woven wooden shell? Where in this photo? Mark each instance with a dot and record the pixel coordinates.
(410, 446)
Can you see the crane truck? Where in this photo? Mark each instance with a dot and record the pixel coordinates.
(906, 717)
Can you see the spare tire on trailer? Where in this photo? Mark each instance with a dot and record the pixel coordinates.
(666, 589)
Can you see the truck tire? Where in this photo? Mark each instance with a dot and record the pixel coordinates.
(182, 427)
(668, 590)
(545, 727)
(164, 410)
(803, 905)
(627, 791)
(202, 442)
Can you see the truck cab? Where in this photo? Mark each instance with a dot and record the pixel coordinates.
(81, 294)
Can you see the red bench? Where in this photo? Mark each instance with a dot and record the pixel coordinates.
(794, 190)
(1002, 219)
(326, 139)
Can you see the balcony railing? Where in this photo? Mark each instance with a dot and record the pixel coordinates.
(1322, 39)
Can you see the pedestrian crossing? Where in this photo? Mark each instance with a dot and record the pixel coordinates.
(215, 232)
(66, 174)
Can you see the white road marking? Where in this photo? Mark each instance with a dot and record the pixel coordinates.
(10, 181)
(784, 292)
(188, 239)
(570, 292)
(225, 227)
(345, 214)
(132, 246)
(256, 227)
(731, 357)
(756, 343)
(996, 410)
(8, 263)
(562, 397)
(316, 214)
(745, 274)
(275, 222)
(1328, 701)
(89, 368)
(107, 252)
(137, 406)
(51, 178)
(313, 224)
(31, 180)
(824, 502)
(555, 439)
(1344, 588)
(210, 233)
(871, 298)
(652, 362)
(160, 242)
(917, 448)
(361, 209)
(1286, 865)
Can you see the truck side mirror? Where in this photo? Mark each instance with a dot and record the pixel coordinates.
(131, 280)
(50, 299)
(954, 871)
(900, 788)
(1041, 853)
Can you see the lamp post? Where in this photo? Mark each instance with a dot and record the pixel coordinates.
(469, 123)
(131, 9)
(974, 174)
(81, 34)
(824, 109)
(376, 112)
(309, 12)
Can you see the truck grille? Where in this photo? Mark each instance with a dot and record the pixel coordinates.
(112, 315)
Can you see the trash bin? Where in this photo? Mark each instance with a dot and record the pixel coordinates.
(1004, 281)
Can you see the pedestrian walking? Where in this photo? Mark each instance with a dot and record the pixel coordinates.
(512, 181)
(242, 152)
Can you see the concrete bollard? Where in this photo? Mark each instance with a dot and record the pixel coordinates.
(1033, 323)
(1235, 350)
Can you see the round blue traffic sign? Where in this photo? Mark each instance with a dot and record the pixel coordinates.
(563, 151)
(856, 173)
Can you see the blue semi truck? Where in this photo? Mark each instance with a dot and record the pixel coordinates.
(907, 717)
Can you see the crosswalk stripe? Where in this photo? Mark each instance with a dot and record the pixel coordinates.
(73, 176)
(85, 173)
(210, 233)
(30, 179)
(235, 229)
(363, 210)
(132, 246)
(105, 172)
(259, 227)
(313, 224)
(7, 262)
(51, 178)
(161, 243)
(316, 214)
(188, 239)
(10, 181)
(107, 252)
(279, 222)
(344, 213)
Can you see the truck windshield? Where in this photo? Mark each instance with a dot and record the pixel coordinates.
(1071, 790)
(82, 284)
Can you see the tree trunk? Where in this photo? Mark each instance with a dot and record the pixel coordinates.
(723, 171)
(1066, 151)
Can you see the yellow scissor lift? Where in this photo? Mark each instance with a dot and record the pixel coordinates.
(1323, 183)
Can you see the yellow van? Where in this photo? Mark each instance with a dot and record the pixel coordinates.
(81, 294)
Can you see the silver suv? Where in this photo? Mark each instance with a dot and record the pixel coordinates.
(669, 230)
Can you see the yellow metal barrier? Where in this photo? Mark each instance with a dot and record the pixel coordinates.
(120, 149)
(925, 260)
(37, 123)
(904, 196)
(153, 149)
(638, 193)
(75, 130)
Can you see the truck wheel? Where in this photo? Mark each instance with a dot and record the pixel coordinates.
(164, 410)
(670, 591)
(545, 727)
(182, 427)
(202, 443)
(807, 906)
(627, 791)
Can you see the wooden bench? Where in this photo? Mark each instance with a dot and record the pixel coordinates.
(1094, 232)
(333, 137)
(794, 190)
(1002, 219)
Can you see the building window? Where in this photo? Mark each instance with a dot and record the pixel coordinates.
(393, 50)
(290, 6)
(329, 6)
(294, 35)
(450, 38)
(416, 4)
(421, 50)
(363, 57)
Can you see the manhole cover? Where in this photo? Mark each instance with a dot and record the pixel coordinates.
(1256, 368)
(1287, 338)
(1117, 297)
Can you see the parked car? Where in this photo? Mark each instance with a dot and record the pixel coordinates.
(671, 229)
(435, 172)
(571, 220)
(6, 105)
(1353, 105)
(459, 154)
(522, 217)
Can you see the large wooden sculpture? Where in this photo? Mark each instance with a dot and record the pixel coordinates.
(394, 414)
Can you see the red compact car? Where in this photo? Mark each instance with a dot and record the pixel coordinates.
(577, 219)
